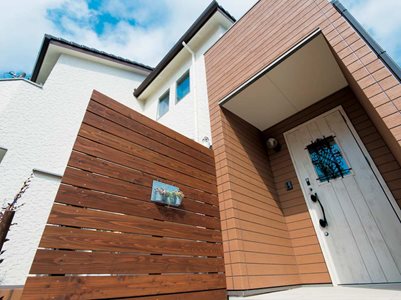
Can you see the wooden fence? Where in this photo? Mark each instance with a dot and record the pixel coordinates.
(105, 239)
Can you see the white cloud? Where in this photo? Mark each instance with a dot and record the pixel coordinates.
(140, 10)
(25, 22)
(382, 20)
(159, 25)
(21, 32)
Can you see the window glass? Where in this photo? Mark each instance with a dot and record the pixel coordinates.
(163, 105)
(183, 86)
(327, 159)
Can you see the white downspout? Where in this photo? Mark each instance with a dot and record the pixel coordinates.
(194, 86)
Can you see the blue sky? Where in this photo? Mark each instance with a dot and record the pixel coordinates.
(144, 30)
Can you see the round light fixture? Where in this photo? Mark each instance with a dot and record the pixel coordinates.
(206, 142)
(272, 143)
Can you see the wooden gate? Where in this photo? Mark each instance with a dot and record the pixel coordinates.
(105, 239)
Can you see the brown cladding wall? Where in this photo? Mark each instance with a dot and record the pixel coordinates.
(268, 238)
(103, 223)
(272, 27)
(257, 247)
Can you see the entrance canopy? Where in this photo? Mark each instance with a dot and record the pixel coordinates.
(302, 76)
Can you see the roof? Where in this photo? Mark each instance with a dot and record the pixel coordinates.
(49, 39)
(382, 54)
(188, 35)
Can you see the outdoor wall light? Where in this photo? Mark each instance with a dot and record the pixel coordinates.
(206, 142)
(272, 143)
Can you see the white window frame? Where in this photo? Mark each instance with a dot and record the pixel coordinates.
(164, 95)
(180, 80)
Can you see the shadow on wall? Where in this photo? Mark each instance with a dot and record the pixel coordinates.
(252, 156)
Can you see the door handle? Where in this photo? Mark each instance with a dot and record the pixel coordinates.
(323, 222)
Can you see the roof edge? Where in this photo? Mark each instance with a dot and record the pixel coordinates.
(379, 51)
(40, 58)
(49, 39)
(21, 79)
(187, 36)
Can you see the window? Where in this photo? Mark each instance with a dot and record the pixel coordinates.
(182, 86)
(163, 104)
(327, 159)
(2, 153)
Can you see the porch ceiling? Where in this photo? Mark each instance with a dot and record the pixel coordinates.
(298, 79)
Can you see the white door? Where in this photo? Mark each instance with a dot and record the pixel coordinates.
(361, 241)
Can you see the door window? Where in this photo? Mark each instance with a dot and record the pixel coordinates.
(327, 159)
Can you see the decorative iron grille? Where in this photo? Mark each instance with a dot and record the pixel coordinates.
(327, 159)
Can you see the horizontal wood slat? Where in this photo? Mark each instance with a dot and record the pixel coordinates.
(152, 138)
(81, 217)
(215, 294)
(95, 165)
(69, 262)
(103, 222)
(169, 136)
(117, 187)
(106, 287)
(104, 152)
(76, 239)
(123, 138)
(158, 162)
(93, 199)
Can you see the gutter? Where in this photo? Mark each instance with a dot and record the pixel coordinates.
(195, 90)
(380, 52)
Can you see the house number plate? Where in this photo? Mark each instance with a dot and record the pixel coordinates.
(166, 194)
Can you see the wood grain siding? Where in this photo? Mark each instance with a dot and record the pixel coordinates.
(257, 245)
(268, 236)
(105, 239)
(303, 237)
(270, 28)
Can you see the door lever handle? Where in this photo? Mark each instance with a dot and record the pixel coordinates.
(323, 222)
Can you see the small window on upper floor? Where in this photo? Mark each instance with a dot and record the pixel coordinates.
(183, 86)
(163, 106)
(2, 153)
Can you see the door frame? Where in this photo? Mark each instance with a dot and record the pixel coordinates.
(376, 172)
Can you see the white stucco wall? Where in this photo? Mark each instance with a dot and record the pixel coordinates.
(38, 128)
(181, 115)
